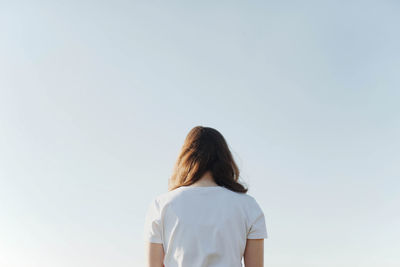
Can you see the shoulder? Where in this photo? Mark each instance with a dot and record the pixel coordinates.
(246, 201)
(243, 197)
(163, 199)
(243, 200)
(240, 199)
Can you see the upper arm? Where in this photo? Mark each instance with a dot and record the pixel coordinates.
(257, 232)
(254, 253)
(257, 227)
(153, 230)
(154, 254)
(153, 235)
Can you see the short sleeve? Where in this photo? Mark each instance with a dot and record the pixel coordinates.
(153, 223)
(257, 229)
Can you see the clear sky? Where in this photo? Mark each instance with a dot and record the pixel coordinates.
(96, 98)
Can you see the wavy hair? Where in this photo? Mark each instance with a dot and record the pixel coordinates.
(205, 149)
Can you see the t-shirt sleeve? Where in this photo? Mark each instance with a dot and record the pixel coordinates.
(153, 223)
(258, 229)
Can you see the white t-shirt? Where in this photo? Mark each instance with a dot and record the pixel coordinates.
(203, 226)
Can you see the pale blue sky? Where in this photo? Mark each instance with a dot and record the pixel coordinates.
(97, 98)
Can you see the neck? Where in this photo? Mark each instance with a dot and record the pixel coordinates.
(206, 180)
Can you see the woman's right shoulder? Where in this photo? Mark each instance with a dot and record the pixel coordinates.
(245, 198)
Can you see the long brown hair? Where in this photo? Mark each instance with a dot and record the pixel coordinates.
(205, 149)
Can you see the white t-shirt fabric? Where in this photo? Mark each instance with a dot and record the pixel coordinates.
(204, 226)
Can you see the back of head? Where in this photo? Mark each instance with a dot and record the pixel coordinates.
(205, 149)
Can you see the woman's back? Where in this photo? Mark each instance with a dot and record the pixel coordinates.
(204, 226)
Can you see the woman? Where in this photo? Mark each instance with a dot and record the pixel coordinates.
(206, 219)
